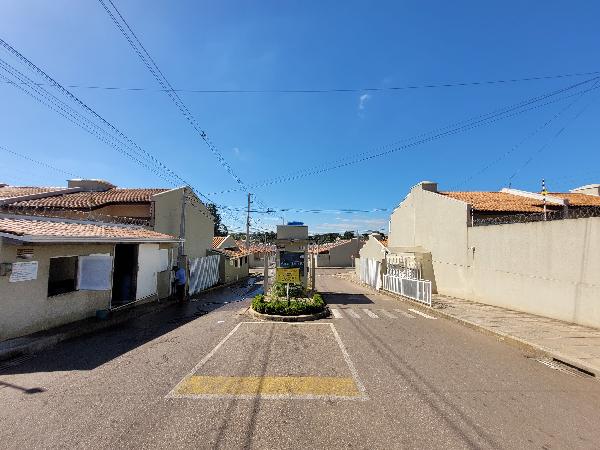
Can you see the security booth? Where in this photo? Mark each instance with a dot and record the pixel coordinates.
(292, 249)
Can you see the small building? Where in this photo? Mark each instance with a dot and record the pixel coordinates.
(258, 253)
(371, 260)
(234, 264)
(340, 253)
(292, 249)
(56, 271)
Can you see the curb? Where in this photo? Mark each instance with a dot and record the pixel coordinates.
(302, 318)
(504, 337)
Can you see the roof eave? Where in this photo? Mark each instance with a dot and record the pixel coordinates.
(71, 239)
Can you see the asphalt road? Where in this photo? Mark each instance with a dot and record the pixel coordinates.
(375, 375)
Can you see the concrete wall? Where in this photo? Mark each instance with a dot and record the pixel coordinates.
(199, 227)
(340, 256)
(25, 306)
(547, 268)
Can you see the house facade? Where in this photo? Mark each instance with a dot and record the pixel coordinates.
(56, 271)
(234, 263)
(341, 253)
(496, 248)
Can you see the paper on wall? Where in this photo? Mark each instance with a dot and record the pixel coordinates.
(23, 271)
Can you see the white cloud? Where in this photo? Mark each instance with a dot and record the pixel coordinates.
(236, 152)
(362, 100)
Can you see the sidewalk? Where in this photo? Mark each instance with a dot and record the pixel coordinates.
(570, 343)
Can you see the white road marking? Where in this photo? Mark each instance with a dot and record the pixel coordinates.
(405, 314)
(422, 314)
(336, 313)
(353, 313)
(388, 314)
(371, 314)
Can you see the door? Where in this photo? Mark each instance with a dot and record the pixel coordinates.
(124, 274)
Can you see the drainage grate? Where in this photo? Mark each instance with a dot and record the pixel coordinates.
(564, 367)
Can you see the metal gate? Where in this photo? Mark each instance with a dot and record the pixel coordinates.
(419, 290)
(370, 272)
(204, 273)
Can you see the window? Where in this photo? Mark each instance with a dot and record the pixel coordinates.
(62, 276)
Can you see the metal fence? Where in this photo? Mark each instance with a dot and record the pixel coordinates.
(419, 290)
(204, 273)
(581, 212)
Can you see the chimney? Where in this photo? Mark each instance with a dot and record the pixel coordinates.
(90, 185)
(590, 189)
(428, 186)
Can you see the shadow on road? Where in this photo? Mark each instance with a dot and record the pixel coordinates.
(89, 352)
(335, 298)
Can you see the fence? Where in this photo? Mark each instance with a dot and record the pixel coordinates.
(370, 270)
(204, 273)
(419, 290)
(580, 212)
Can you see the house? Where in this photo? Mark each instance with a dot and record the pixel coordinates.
(234, 264)
(55, 271)
(340, 253)
(520, 250)
(177, 212)
(372, 253)
(258, 252)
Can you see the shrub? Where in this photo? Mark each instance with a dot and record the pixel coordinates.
(281, 307)
(279, 290)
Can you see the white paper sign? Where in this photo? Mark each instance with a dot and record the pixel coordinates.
(24, 271)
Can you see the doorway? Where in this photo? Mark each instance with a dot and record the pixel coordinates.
(124, 274)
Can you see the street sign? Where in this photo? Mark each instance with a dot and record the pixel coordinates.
(287, 275)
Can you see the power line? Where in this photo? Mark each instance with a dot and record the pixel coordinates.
(70, 114)
(550, 141)
(162, 80)
(484, 119)
(334, 90)
(526, 138)
(40, 163)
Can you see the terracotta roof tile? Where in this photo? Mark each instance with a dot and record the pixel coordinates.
(91, 200)
(321, 248)
(506, 202)
(47, 228)
(218, 240)
(18, 191)
(233, 252)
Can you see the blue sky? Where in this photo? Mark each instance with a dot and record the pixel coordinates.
(274, 45)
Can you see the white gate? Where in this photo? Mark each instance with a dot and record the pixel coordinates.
(204, 273)
(419, 290)
(370, 271)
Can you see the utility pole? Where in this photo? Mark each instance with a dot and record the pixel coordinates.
(248, 224)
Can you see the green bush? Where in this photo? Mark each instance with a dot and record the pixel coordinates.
(281, 307)
(279, 290)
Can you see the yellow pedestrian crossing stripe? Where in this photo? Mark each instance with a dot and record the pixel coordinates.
(268, 385)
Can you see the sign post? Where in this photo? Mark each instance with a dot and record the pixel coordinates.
(287, 276)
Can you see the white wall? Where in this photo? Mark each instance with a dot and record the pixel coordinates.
(547, 268)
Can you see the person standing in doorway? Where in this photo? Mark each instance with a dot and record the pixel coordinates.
(180, 283)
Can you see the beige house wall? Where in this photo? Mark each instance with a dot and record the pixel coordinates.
(25, 305)
(199, 227)
(547, 268)
(126, 210)
(340, 256)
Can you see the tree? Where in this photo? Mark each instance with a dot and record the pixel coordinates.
(220, 228)
(348, 235)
